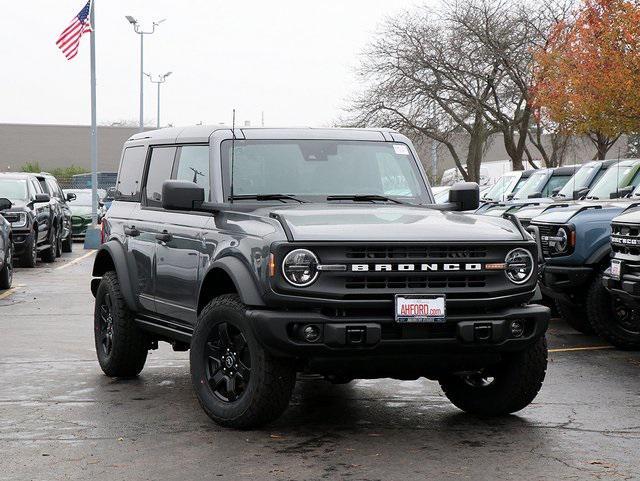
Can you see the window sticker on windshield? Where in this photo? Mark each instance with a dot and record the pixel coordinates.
(401, 149)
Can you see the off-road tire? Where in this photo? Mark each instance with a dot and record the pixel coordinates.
(130, 345)
(574, 315)
(6, 274)
(603, 318)
(517, 381)
(49, 254)
(29, 257)
(59, 241)
(67, 244)
(271, 381)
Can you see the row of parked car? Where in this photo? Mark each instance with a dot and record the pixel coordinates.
(39, 220)
(588, 226)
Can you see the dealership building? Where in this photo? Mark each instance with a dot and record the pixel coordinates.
(54, 146)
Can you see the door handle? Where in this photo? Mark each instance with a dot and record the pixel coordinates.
(164, 236)
(131, 231)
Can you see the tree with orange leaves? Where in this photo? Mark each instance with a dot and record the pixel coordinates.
(587, 77)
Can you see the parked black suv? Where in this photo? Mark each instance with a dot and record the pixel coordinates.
(31, 217)
(63, 217)
(326, 255)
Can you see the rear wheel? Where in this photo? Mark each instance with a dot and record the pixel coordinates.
(238, 384)
(121, 347)
(6, 274)
(574, 315)
(611, 319)
(502, 389)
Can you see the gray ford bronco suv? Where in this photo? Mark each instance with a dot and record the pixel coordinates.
(272, 252)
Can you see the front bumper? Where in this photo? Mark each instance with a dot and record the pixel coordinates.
(557, 281)
(373, 337)
(79, 226)
(20, 239)
(627, 287)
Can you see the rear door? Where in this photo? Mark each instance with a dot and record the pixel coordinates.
(181, 247)
(42, 212)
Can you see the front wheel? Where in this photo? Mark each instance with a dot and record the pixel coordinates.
(574, 315)
(238, 384)
(67, 244)
(611, 319)
(6, 273)
(502, 389)
(49, 254)
(30, 256)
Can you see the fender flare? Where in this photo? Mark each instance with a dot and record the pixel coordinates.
(241, 278)
(599, 254)
(115, 251)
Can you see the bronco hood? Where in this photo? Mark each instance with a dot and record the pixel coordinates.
(564, 214)
(372, 222)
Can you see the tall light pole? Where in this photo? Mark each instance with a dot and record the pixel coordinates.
(159, 80)
(140, 31)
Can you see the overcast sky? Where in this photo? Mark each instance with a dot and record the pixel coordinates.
(292, 59)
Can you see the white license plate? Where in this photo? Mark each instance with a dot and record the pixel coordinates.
(616, 269)
(420, 309)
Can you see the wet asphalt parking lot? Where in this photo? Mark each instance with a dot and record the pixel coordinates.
(61, 418)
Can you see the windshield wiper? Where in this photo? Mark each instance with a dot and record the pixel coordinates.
(365, 198)
(260, 197)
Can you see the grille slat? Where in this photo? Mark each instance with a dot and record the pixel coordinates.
(631, 232)
(415, 252)
(415, 282)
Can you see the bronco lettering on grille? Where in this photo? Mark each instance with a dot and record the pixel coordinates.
(415, 267)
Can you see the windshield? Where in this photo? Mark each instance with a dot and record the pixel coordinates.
(533, 185)
(614, 178)
(13, 189)
(315, 169)
(580, 180)
(503, 186)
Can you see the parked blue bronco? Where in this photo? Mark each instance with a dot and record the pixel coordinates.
(622, 280)
(575, 245)
(269, 252)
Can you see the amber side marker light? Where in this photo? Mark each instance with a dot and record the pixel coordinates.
(272, 265)
(572, 238)
(499, 266)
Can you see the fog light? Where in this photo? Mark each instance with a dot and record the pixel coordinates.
(517, 328)
(311, 333)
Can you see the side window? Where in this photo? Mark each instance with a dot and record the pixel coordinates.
(37, 188)
(130, 175)
(193, 165)
(554, 183)
(45, 187)
(160, 168)
(53, 189)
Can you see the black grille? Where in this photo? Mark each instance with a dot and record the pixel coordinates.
(545, 231)
(415, 252)
(11, 216)
(414, 282)
(630, 232)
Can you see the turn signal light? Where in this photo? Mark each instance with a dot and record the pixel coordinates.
(498, 266)
(272, 265)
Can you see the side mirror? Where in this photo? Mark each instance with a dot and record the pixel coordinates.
(71, 196)
(625, 191)
(5, 203)
(535, 195)
(181, 195)
(556, 191)
(579, 194)
(41, 199)
(111, 193)
(465, 195)
(511, 196)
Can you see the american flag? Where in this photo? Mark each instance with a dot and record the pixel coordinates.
(69, 40)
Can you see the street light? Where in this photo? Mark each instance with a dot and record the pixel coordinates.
(140, 31)
(160, 80)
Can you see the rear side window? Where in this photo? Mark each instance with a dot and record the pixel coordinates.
(130, 175)
(160, 168)
(193, 165)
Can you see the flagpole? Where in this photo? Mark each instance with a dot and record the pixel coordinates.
(94, 128)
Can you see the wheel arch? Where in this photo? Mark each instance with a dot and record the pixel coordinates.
(600, 256)
(225, 276)
(111, 257)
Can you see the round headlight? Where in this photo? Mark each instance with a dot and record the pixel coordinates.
(519, 265)
(562, 240)
(299, 267)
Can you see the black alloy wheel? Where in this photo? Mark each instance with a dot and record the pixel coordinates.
(6, 274)
(59, 242)
(228, 362)
(106, 324)
(627, 319)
